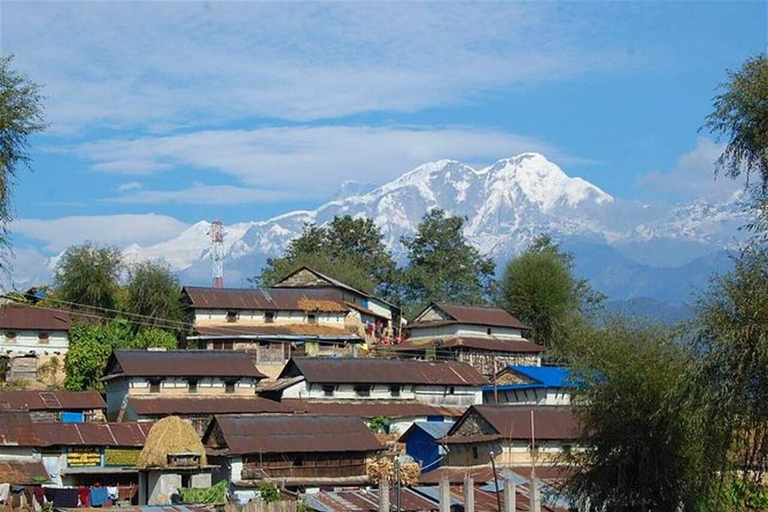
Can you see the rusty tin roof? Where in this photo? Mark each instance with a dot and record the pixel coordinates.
(272, 299)
(27, 400)
(181, 363)
(27, 318)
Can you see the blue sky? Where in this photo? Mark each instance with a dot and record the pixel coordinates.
(165, 113)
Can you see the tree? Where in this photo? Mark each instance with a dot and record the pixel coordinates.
(348, 249)
(154, 338)
(153, 296)
(87, 277)
(21, 116)
(90, 346)
(539, 288)
(645, 443)
(442, 266)
(732, 338)
(741, 115)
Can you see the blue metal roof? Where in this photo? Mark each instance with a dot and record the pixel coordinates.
(542, 377)
(435, 429)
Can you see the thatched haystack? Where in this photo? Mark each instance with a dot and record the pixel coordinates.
(383, 469)
(170, 435)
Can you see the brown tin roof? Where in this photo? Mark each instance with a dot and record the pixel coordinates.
(483, 474)
(23, 473)
(383, 371)
(367, 501)
(51, 400)
(514, 422)
(16, 429)
(181, 363)
(272, 299)
(92, 434)
(472, 315)
(27, 318)
(369, 409)
(489, 344)
(205, 405)
(251, 434)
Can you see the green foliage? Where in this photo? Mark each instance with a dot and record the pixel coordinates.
(379, 424)
(348, 249)
(21, 116)
(154, 338)
(732, 337)
(209, 495)
(645, 436)
(443, 266)
(87, 277)
(90, 346)
(153, 295)
(48, 372)
(268, 492)
(539, 288)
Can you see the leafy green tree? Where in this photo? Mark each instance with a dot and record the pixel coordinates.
(348, 249)
(90, 346)
(154, 338)
(21, 116)
(87, 277)
(645, 442)
(443, 266)
(539, 288)
(153, 296)
(732, 338)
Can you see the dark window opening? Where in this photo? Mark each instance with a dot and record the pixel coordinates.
(394, 390)
(363, 390)
(43, 337)
(451, 390)
(232, 316)
(192, 386)
(154, 386)
(223, 345)
(328, 390)
(489, 331)
(475, 453)
(269, 317)
(312, 318)
(298, 460)
(10, 335)
(229, 386)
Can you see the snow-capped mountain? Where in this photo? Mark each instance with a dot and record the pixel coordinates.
(506, 205)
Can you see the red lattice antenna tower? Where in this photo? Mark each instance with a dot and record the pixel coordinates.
(217, 253)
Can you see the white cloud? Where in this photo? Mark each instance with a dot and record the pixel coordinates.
(127, 187)
(58, 234)
(164, 65)
(201, 194)
(693, 176)
(308, 162)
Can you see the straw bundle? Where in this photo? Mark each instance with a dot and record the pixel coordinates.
(383, 469)
(170, 435)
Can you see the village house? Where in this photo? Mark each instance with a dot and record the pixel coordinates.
(50, 406)
(30, 338)
(515, 435)
(488, 338)
(442, 383)
(291, 451)
(530, 385)
(422, 443)
(175, 374)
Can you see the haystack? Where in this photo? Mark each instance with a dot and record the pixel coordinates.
(170, 435)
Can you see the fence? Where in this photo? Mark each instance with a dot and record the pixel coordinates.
(262, 506)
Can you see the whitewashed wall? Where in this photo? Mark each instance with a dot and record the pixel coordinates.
(249, 317)
(466, 330)
(433, 395)
(29, 341)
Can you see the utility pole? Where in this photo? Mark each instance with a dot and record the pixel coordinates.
(496, 480)
(217, 253)
(398, 485)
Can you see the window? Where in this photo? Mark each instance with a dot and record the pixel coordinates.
(475, 453)
(451, 390)
(43, 338)
(394, 391)
(10, 336)
(363, 390)
(223, 345)
(154, 386)
(328, 389)
(269, 317)
(232, 316)
(298, 460)
(312, 318)
(229, 386)
(192, 386)
(489, 331)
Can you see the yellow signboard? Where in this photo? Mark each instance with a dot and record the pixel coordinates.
(81, 457)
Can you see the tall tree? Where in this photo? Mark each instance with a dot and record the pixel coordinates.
(87, 277)
(539, 288)
(21, 116)
(348, 249)
(153, 296)
(90, 345)
(443, 266)
(644, 437)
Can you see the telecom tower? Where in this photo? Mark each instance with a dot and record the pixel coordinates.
(217, 253)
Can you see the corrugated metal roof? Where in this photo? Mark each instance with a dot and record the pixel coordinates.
(205, 405)
(236, 330)
(23, 473)
(16, 429)
(541, 377)
(182, 363)
(472, 315)
(92, 434)
(434, 429)
(366, 501)
(51, 400)
(246, 434)
(369, 409)
(485, 344)
(272, 299)
(21, 318)
(383, 371)
(514, 421)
